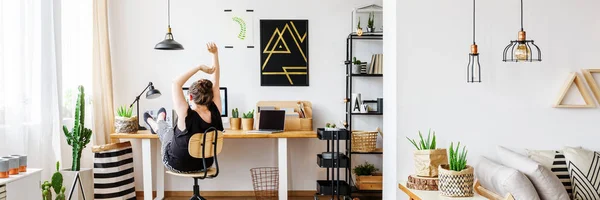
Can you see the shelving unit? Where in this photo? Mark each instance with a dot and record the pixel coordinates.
(334, 186)
(349, 114)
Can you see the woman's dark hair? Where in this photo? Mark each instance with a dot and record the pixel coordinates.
(202, 92)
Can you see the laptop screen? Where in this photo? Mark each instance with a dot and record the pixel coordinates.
(272, 120)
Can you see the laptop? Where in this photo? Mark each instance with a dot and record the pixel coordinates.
(270, 121)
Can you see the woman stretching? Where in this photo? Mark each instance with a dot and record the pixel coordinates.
(204, 113)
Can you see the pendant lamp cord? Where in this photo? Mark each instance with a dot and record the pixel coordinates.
(521, 15)
(169, 12)
(473, 21)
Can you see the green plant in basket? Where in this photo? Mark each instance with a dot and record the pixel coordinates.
(457, 159)
(123, 111)
(428, 144)
(364, 169)
(250, 114)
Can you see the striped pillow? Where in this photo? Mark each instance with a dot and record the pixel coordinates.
(556, 162)
(113, 172)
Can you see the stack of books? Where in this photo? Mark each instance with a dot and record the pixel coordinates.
(376, 66)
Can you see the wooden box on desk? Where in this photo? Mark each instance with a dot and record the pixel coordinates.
(293, 123)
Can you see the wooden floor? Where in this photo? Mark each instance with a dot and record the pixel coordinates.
(234, 198)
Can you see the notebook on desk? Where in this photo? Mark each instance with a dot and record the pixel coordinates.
(270, 121)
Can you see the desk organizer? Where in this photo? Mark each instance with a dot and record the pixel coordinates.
(292, 123)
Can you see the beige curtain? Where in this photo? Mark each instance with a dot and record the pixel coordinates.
(102, 76)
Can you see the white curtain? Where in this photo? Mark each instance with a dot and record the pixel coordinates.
(29, 83)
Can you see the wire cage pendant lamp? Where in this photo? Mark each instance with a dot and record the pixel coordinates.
(169, 42)
(522, 50)
(474, 68)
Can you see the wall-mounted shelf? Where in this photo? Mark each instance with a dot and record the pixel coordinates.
(575, 78)
(589, 78)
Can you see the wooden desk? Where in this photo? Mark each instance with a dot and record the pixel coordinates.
(146, 137)
(432, 195)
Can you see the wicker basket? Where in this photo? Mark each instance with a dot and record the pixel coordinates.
(265, 181)
(456, 184)
(126, 125)
(364, 141)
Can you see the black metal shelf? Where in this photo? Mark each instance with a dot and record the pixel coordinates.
(369, 113)
(366, 75)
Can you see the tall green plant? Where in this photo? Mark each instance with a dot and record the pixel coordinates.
(371, 22)
(235, 113)
(123, 111)
(457, 160)
(79, 136)
(428, 144)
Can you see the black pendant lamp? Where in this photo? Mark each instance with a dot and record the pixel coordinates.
(169, 42)
(474, 68)
(522, 50)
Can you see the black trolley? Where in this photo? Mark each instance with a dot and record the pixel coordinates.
(335, 161)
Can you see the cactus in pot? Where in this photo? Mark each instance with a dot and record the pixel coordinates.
(79, 136)
(235, 120)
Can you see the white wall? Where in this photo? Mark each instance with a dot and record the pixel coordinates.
(512, 107)
(137, 25)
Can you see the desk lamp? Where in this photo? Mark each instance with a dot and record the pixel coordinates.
(151, 94)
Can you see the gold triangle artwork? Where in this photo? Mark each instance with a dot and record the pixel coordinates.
(575, 78)
(589, 78)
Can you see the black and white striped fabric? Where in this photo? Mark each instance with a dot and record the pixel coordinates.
(2, 192)
(584, 170)
(556, 162)
(113, 172)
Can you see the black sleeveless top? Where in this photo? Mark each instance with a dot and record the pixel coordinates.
(177, 152)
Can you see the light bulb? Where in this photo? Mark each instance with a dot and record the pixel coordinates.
(522, 52)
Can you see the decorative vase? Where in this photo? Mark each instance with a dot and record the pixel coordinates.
(86, 179)
(126, 125)
(235, 123)
(456, 184)
(247, 124)
(356, 68)
(428, 161)
(370, 30)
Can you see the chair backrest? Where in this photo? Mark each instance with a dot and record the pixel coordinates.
(196, 144)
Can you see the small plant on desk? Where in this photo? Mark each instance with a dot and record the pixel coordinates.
(426, 157)
(456, 175)
(125, 122)
(248, 121)
(235, 120)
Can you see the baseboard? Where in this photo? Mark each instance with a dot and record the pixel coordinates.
(299, 193)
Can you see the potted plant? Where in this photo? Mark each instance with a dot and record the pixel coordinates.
(357, 65)
(124, 121)
(427, 158)
(359, 30)
(365, 178)
(248, 120)
(56, 185)
(456, 179)
(235, 120)
(78, 137)
(370, 24)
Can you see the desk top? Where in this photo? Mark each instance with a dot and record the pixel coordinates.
(145, 134)
(433, 195)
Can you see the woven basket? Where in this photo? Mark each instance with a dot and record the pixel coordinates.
(126, 125)
(364, 141)
(456, 184)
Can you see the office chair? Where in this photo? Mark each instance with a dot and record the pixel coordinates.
(199, 148)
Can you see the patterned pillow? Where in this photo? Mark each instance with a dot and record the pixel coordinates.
(584, 169)
(555, 162)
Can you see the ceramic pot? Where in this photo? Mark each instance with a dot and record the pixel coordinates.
(456, 184)
(13, 165)
(86, 176)
(126, 125)
(235, 123)
(4, 168)
(428, 161)
(356, 68)
(370, 30)
(247, 124)
(22, 162)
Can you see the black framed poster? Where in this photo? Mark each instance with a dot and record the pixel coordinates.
(284, 52)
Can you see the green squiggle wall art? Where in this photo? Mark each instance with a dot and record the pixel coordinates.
(242, 23)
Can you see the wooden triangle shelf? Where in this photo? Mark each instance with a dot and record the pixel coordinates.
(575, 78)
(589, 78)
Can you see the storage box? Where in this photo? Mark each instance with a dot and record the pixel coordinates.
(325, 187)
(369, 182)
(292, 123)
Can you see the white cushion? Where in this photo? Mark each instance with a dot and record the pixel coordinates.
(584, 169)
(556, 163)
(504, 180)
(545, 182)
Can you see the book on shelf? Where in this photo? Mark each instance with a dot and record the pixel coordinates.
(376, 65)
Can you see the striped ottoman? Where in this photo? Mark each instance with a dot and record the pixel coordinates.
(113, 172)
